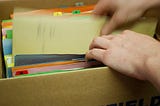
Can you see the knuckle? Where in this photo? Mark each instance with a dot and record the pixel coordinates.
(95, 40)
(92, 52)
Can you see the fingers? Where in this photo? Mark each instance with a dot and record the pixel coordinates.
(98, 47)
(96, 54)
(116, 20)
(99, 9)
(100, 42)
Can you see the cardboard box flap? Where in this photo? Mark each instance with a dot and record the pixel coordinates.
(93, 87)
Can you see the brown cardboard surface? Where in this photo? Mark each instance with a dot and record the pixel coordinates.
(95, 87)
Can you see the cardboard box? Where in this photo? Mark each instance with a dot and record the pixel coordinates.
(96, 87)
(90, 87)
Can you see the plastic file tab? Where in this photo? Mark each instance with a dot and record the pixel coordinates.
(57, 13)
(76, 12)
(21, 72)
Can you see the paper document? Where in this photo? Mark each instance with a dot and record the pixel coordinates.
(51, 35)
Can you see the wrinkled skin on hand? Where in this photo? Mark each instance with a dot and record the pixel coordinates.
(128, 53)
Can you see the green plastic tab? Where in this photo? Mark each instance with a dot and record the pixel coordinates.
(7, 20)
(76, 12)
(9, 34)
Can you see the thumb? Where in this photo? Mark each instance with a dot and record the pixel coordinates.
(116, 20)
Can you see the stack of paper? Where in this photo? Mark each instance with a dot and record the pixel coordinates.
(45, 42)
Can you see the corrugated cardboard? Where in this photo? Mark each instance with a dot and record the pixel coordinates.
(90, 87)
(96, 87)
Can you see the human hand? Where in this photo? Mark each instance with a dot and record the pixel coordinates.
(128, 53)
(121, 12)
